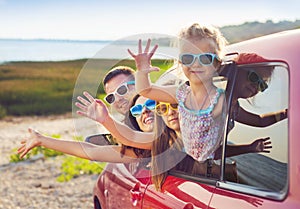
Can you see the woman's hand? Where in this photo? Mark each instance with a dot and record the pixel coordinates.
(143, 59)
(92, 108)
(261, 145)
(28, 144)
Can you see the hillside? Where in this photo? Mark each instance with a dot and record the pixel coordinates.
(248, 30)
(245, 31)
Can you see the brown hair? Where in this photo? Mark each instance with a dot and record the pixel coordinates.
(165, 137)
(118, 71)
(132, 123)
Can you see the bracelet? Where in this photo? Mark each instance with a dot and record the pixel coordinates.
(281, 115)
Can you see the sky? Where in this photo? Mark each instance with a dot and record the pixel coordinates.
(116, 19)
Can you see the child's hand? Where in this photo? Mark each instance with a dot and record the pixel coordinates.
(143, 59)
(33, 141)
(92, 108)
(261, 145)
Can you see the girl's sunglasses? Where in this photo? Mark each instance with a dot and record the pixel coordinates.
(163, 108)
(121, 91)
(204, 59)
(137, 110)
(255, 78)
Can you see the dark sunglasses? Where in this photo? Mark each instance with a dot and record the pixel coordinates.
(163, 108)
(121, 91)
(255, 78)
(204, 59)
(137, 110)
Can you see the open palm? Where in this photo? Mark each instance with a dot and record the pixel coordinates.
(261, 145)
(143, 59)
(29, 143)
(92, 108)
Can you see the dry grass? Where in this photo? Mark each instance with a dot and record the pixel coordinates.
(44, 88)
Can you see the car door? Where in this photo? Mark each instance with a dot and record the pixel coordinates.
(179, 191)
(262, 177)
(184, 187)
(123, 187)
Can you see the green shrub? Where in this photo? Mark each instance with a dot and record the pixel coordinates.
(2, 112)
(72, 167)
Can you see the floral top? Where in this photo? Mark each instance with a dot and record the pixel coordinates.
(199, 130)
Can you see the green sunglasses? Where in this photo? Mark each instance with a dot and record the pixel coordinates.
(255, 78)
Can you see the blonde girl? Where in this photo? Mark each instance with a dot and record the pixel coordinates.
(200, 102)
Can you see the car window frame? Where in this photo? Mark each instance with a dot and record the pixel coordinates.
(221, 182)
(246, 189)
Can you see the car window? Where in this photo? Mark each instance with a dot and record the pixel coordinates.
(265, 172)
(261, 173)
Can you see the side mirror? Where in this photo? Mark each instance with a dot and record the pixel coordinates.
(101, 139)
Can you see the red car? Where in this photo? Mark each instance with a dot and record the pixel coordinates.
(264, 180)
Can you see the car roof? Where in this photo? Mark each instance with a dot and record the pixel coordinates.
(284, 46)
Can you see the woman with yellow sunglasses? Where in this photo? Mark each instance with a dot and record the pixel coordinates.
(163, 108)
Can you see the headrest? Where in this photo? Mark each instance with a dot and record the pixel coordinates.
(248, 58)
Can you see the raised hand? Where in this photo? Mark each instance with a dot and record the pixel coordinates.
(143, 59)
(30, 143)
(92, 108)
(261, 145)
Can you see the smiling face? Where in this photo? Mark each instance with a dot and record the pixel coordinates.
(246, 88)
(146, 119)
(198, 72)
(171, 120)
(121, 103)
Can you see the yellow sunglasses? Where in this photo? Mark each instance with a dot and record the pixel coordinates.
(163, 108)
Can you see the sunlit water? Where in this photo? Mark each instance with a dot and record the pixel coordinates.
(57, 50)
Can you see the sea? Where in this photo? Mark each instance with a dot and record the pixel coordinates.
(60, 50)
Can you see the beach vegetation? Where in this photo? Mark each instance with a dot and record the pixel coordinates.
(2, 112)
(71, 166)
(46, 88)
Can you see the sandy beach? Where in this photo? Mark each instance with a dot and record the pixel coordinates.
(33, 184)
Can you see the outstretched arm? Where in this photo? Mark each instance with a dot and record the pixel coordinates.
(96, 110)
(109, 153)
(259, 145)
(264, 120)
(142, 80)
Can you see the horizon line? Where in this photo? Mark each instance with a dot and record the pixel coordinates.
(54, 39)
(112, 40)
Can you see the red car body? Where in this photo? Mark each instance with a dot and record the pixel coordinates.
(118, 188)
